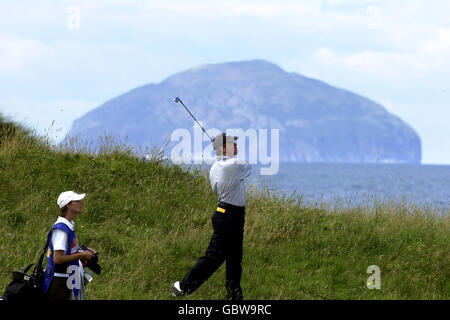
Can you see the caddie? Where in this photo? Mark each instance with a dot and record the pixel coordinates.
(63, 276)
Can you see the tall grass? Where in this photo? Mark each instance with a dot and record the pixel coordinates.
(150, 220)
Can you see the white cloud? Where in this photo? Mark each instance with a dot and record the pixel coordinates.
(431, 56)
(264, 11)
(437, 51)
(17, 52)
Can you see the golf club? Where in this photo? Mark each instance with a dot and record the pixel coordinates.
(176, 100)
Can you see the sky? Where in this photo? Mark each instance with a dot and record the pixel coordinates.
(59, 59)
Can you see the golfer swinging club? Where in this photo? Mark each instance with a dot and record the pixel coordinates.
(227, 181)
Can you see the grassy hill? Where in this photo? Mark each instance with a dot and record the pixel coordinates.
(150, 221)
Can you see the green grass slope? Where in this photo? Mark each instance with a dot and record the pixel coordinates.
(150, 221)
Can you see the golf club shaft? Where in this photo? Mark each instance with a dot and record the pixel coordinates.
(178, 99)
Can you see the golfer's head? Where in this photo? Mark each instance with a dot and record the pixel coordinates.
(225, 145)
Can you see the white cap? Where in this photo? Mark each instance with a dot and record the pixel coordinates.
(65, 197)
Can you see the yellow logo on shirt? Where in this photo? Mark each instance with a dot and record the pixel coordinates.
(220, 209)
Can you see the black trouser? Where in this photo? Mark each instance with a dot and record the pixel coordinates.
(225, 245)
(58, 289)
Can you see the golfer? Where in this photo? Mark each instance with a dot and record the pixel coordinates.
(227, 181)
(63, 277)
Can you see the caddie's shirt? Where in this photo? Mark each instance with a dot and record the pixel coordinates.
(227, 179)
(60, 237)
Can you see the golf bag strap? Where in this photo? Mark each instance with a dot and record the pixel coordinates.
(28, 268)
(41, 258)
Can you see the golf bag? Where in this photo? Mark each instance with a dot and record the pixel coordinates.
(26, 286)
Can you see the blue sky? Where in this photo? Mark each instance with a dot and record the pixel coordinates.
(60, 59)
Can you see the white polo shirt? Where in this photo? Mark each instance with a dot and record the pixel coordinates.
(227, 179)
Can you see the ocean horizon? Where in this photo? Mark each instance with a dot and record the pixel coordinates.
(355, 184)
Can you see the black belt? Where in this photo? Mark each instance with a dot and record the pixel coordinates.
(224, 207)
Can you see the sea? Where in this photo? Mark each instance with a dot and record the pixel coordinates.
(353, 185)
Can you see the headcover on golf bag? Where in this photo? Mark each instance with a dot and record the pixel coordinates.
(26, 286)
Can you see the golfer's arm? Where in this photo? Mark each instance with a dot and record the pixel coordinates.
(244, 170)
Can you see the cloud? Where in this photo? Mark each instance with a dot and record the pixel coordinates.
(429, 57)
(17, 52)
(437, 51)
